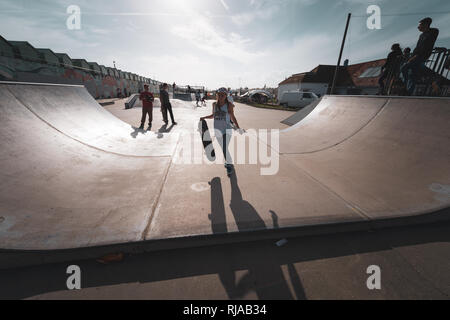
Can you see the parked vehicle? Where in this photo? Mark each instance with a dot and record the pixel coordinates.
(255, 96)
(297, 99)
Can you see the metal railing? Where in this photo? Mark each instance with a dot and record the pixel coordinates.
(188, 89)
(434, 80)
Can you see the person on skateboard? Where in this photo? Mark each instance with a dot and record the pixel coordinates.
(147, 107)
(223, 114)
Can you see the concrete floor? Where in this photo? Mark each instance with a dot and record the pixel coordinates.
(345, 163)
(414, 262)
(185, 112)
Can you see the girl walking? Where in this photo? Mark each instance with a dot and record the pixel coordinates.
(223, 114)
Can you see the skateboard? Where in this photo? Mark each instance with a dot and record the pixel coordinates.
(207, 141)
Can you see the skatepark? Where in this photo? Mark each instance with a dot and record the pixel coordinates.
(77, 176)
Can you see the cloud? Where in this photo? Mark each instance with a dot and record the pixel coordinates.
(259, 13)
(100, 31)
(216, 43)
(203, 35)
(225, 5)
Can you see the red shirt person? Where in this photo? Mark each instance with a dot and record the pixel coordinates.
(147, 99)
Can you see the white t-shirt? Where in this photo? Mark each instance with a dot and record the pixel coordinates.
(222, 118)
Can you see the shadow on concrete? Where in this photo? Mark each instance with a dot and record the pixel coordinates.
(265, 278)
(253, 267)
(165, 128)
(136, 132)
(217, 216)
(260, 261)
(162, 130)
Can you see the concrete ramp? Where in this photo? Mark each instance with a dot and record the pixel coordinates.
(354, 160)
(393, 161)
(301, 114)
(56, 192)
(72, 111)
(131, 101)
(74, 176)
(334, 120)
(184, 96)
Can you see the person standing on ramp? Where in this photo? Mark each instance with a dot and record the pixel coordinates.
(147, 99)
(223, 114)
(416, 64)
(165, 104)
(197, 97)
(391, 68)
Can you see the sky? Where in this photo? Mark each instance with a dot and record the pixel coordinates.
(215, 43)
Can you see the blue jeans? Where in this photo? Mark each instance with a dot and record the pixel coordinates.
(224, 140)
(411, 72)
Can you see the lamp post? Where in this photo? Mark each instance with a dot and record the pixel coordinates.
(340, 54)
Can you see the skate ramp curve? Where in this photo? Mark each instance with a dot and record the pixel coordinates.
(72, 111)
(72, 175)
(390, 162)
(301, 114)
(56, 192)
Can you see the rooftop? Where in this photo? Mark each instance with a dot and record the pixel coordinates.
(361, 74)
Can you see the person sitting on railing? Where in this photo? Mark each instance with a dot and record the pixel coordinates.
(406, 54)
(447, 63)
(391, 67)
(420, 55)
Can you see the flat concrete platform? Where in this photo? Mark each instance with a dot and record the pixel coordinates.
(414, 263)
(74, 175)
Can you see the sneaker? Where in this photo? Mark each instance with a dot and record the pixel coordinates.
(174, 123)
(230, 169)
(149, 127)
(141, 127)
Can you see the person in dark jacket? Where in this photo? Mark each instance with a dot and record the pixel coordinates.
(420, 55)
(392, 65)
(147, 107)
(165, 104)
(407, 54)
(447, 63)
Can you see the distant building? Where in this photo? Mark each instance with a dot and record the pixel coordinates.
(361, 78)
(65, 60)
(48, 56)
(25, 51)
(20, 61)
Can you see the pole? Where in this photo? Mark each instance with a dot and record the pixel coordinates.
(340, 55)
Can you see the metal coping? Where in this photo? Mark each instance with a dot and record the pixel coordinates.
(386, 97)
(41, 84)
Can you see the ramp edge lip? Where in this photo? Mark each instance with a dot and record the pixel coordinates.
(30, 109)
(26, 258)
(41, 84)
(386, 97)
(440, 214)
(365, 125)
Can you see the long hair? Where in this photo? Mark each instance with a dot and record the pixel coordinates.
(217, 101)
